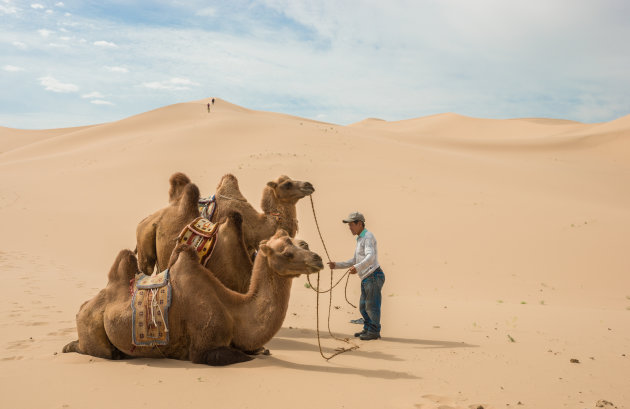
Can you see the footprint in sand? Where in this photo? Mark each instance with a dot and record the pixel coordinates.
(12, 358)
(444, 402)
(21, 344)
(62, 332)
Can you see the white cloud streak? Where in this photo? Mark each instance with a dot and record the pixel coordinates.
(54, 85)
(117, 69)
(107, 44)
(101, 102)
(174, 84)
(94, 94)
(12, 68)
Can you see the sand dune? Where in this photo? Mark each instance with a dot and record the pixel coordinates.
(489, 231)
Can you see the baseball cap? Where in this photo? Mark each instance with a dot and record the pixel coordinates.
(354, 217)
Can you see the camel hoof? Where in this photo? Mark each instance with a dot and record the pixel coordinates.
(71, 347)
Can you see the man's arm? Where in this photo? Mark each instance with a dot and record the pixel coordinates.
(343, 264)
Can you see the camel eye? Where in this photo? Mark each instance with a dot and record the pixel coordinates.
(288, 185)
(288, 255)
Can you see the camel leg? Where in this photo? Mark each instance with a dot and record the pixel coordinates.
(220, 357)
(91, 330)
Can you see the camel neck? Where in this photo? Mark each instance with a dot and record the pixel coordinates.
(264, 307)
(284, 212)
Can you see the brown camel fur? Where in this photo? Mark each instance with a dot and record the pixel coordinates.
(278, 205)
(208, 323)
(157, 235)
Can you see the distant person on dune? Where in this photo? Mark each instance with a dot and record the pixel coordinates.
(365, 264)
(212, 101)
(209, 106)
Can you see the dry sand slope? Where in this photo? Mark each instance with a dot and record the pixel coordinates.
(489, 231)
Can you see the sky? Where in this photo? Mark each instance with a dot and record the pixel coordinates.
(80, 62)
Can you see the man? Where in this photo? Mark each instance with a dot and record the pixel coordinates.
(365, 264)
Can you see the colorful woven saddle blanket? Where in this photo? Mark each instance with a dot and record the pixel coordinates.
(149, 306)
(207, 207)
(201, 234)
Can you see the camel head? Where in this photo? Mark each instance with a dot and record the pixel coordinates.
(289, 257)
(288, 190)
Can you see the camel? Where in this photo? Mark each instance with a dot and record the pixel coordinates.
(278, 203)
(157, 234)
(208, 323)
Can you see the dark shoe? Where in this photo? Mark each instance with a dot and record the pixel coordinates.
(368, 336)
(358, 334)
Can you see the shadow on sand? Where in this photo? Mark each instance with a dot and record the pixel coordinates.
(287, 339)
(329, 369)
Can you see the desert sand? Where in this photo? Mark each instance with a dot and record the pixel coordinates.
(504, 245)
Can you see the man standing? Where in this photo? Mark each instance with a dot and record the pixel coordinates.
(365, 264)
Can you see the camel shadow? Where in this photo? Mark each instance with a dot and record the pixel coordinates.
(328, 369)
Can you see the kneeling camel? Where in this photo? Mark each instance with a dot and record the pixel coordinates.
(209, 323)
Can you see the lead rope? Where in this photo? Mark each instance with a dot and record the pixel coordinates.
(339, 350)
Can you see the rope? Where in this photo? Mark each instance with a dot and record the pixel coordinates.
(339, 350)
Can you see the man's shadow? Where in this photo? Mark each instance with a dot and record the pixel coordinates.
(287, 339)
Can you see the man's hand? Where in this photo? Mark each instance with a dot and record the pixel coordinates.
(352, 270)
(331, 264)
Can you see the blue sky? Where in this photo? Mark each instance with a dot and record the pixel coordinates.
(68, 63)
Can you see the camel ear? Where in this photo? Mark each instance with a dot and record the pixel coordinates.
(272, 185)
(281, 233)
(265, 249)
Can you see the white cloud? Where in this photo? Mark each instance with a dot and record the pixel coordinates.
(207, 12)
(100, 102)
(174, 84)
(12, 68)
(54, 85)
(19, 45)
(37, 6)
(105, 44)
(117, 69)
(94, 94)
(44, 33)
(58, 45)
(59, 4)
(7, 8)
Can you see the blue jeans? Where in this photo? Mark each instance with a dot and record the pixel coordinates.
(370, 302)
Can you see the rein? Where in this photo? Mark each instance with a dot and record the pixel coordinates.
(339, 350)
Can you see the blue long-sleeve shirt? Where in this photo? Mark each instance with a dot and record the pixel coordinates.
(365, 258)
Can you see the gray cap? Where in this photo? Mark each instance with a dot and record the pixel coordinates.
(354, 217)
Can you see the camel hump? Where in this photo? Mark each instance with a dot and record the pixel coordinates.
(124, 268)
(178, 182)
(186, 251)
(228, 187)
(189, 201)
